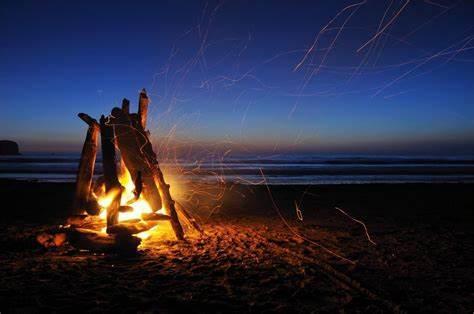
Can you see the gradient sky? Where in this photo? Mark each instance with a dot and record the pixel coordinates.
(224, 72)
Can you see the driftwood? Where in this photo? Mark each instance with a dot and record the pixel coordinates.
(82, 199)
(154, 216)
(190, 219)
(76, 220)
(125, 228)
(163, 187)
(125, 209)
(85, 221)
(137, 152)
(112, 184)
(143, 102)
(91, 240)
(126, 105)
(126, 132)
(129, 143)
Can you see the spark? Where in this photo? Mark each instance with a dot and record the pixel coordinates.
(299, 214)
(385, 27)
(436, 55)
(293, 231)
(359, 222)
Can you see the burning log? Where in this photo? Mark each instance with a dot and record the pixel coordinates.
(82, 198)
(125, 209)
(112, 184)
(138, 185)
(154, 216)
(130, 143)
(91, 240)
(138, 155)
(127, 228)
(76, 220)
(85, 221)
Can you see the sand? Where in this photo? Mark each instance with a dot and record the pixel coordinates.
(249, 261)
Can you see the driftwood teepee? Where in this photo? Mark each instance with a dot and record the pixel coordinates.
(125, 141)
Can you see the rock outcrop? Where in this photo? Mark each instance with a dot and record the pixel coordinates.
(9, 148)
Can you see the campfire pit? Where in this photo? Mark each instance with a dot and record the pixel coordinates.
(121, 207)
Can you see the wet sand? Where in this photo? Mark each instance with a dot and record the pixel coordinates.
(249, 260)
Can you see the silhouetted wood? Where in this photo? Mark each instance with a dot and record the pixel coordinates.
(112, 184)
(82, 199)
(143, 102)
(87, 239)
(126, 105)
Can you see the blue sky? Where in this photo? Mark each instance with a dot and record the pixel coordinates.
(225, 72)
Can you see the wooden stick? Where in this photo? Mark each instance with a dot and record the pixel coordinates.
(163, 187)
(143, 102)
(130, 144)
(191, 220)
(138, 154)
(112, 184)
(126, 105)
(88, 239)
(154, 216)
(86, 168)
(128, 228)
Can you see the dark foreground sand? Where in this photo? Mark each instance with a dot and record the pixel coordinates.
(249, 261)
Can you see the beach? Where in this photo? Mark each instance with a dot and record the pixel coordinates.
(258, 253)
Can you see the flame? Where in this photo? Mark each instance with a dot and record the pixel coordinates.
(139, 206)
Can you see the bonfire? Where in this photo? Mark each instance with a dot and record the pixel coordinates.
(131, 200)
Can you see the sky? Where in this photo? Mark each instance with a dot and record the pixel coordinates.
(379, 77)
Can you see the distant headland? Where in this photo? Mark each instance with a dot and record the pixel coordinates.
(9, 148)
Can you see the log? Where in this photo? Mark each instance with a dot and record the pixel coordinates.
(133, 220)
(155, 216)
(91, 240)
(112, 184)
(138, 185)
(163, 187)
(126, 105)
(143, 102)
(125, 209)
(85, 221)
(124, 228)
(130, 143)
(76, 220)
(137, 152)
(191, 220)
(85, 172)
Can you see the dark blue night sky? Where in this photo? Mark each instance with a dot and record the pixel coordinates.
(226, 72)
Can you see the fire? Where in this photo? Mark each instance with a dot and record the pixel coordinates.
(138, 206)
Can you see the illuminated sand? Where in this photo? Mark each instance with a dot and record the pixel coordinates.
(249, 261)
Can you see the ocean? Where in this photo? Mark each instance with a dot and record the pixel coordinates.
(277, 169)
